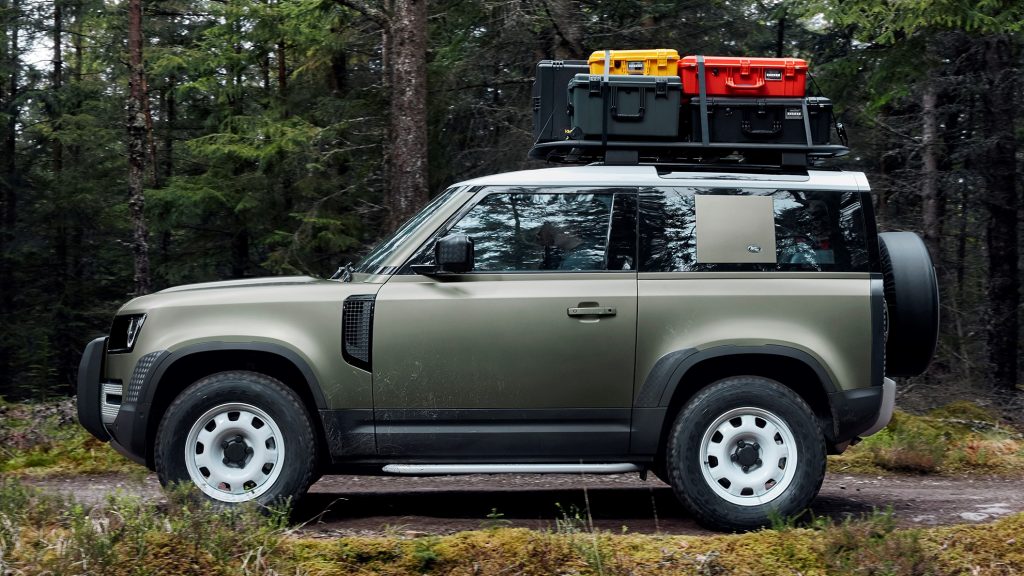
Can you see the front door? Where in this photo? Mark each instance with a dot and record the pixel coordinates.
(528, 356)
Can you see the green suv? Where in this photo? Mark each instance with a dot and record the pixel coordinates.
(723, 330)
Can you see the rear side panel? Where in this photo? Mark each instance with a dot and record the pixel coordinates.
(826, 317)
(770, 269)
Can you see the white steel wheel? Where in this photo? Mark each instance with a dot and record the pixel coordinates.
(745, 450)
(234, 452)
(748, 456)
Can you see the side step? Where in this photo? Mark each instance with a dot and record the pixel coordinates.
(432, 469)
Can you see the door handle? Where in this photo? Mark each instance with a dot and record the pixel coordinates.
(591, 311)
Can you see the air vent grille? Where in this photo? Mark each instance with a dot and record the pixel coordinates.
(357, 329)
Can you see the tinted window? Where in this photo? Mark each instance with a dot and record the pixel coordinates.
(814, 231)
(520, 229)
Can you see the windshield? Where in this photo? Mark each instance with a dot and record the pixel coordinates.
(372, 262)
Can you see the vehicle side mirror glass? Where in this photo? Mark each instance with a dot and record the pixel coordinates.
(454, 254)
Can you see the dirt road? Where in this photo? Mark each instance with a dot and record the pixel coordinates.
(362, 505)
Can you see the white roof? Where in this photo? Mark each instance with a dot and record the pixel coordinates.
(650, 176)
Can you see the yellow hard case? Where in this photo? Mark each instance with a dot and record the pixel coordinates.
(658, 62)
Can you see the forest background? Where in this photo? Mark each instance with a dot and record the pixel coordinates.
(148, 143)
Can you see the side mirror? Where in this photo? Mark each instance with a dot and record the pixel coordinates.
(454, 254)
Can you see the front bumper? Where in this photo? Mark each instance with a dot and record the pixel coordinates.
(90, 374)
(107, 408)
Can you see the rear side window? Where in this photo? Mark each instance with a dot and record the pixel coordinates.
(813, 231)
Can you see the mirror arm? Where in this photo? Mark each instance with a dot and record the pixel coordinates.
(427, 269)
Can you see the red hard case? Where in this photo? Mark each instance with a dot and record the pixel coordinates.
(739, 76)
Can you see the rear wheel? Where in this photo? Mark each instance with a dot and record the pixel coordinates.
(743, 450)
(238, 437)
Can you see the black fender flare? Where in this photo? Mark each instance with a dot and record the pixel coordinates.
(134, 437)
(165, 361)
(650, 408)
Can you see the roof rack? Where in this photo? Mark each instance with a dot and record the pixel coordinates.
(621, 152)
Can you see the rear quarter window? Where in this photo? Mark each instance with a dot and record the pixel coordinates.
(815, 231)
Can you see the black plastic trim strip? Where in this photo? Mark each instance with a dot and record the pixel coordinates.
(510, 434)
(163, 363)
(670, 370)
(349, 433)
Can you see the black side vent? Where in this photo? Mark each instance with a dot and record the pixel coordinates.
(357, 329)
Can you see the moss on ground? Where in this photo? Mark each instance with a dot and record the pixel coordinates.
(959, 438)
(44, 534)
(44, 439)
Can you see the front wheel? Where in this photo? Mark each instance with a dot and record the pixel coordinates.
(239, 437)
(744, 450)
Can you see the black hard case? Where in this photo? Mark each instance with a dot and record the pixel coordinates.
(636, 107)
(763, 120)
(550, 99)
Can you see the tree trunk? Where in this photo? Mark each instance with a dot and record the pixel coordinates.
(57, 81)
(137, 147)
(998, 167)
(780, 36)
(147, 112)
(407, 157)
(931, 214)
(568, 28)
(8, 173)
(9, 178)
(282, 70)
(170, 118)
(240, 251)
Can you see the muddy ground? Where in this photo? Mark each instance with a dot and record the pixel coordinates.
(366, 505)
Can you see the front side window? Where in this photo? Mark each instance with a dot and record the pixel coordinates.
(537, 229)
(813, 231)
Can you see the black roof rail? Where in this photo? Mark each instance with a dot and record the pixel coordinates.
(626, 152)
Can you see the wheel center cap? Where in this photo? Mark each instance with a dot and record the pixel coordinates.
(236, 452)
(746, 454)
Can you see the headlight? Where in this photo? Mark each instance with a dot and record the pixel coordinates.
(124, 332)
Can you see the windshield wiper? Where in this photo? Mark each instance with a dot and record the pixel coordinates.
(344, 273)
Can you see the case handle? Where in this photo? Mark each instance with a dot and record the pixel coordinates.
(731, 84)
(775, 129)
(614, 108)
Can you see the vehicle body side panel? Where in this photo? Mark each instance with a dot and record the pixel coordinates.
(502, 342)
(826, 316)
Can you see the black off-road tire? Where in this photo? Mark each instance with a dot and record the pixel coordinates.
(278, 401)
(685, 468)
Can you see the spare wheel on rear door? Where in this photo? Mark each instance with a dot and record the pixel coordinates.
(912, 303)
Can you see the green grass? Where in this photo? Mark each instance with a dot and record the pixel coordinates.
(960, 438)
(44, 439)
(45, 534)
